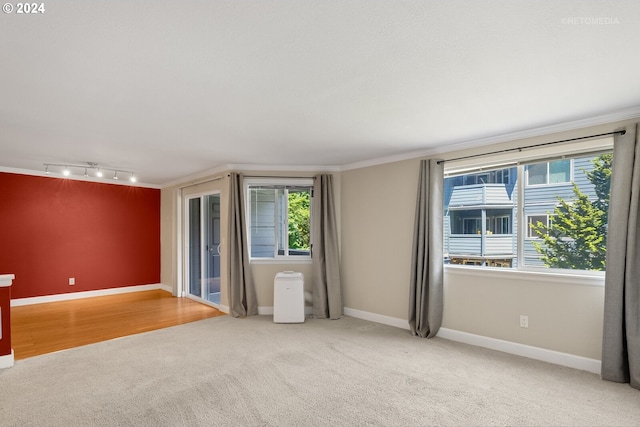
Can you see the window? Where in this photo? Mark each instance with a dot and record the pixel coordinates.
(471, 226)
(534, 220)
(553, 172)
(555, 219)
(499, 225)
(279, 218)
(500, 176)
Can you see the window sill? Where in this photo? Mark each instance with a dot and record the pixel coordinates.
(553, 184)
(279, 261)
(578, 278)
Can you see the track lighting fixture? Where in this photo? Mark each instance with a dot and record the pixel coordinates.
(67, 169)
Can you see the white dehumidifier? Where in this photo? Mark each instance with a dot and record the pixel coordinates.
(288, 297)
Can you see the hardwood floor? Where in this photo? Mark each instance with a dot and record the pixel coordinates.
(45, 328)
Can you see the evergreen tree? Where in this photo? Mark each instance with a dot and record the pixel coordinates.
(575, 237)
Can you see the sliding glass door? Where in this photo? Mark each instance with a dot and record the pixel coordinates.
(203, 247)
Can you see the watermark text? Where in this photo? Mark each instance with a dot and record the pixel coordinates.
(591, 20)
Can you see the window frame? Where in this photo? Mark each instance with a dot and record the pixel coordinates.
(277, 182)
(548, 172)
(547, 222)
(493, 220)
(520, 160)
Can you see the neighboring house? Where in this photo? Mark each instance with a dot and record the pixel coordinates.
(481, 210)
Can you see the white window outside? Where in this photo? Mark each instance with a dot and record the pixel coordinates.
(535, 219)
(499, 225)
(553, 172)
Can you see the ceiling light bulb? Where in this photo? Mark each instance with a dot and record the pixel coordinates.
(115, 175)
(99, 173)
(86, 175)
(133, 178)
(66, 171)
(46, 170)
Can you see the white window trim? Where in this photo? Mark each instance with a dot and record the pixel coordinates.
(282, 260)
(276, 259)
(543, 274)
(572, 277)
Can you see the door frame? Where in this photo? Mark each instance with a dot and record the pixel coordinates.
(183, 284)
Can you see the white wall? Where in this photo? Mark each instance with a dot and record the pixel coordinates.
(263, 273)
(564, 315)
(378, 205)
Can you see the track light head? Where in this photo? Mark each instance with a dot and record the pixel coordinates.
(67, 170)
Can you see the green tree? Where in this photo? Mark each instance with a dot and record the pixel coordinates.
(299, 220)
(575, 238)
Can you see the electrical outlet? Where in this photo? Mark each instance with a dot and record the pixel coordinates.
(524, 321)
(72, 281)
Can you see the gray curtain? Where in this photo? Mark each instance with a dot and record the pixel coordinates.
(425, 299)
(621, 335)
(327, 291)
(242, 293)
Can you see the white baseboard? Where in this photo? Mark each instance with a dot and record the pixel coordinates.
(7, 361)
(88, 294)
(378, 318)
(536, 353)
(265, 311)
(268, 311)
(223, 308)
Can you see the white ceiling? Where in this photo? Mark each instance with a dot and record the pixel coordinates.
(173, 88)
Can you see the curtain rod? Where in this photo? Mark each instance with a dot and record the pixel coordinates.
(507, 150)
(278, 176)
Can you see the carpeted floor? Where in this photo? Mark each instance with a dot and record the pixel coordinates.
(347, 372)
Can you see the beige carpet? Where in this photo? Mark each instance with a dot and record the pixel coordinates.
(347, 372)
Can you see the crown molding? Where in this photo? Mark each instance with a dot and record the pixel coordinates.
(283, 168)
(448, 147)
(610, 118)
(243, 167)
(189, 179)
(124, 182)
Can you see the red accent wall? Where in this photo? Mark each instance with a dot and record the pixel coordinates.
(51, 229)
